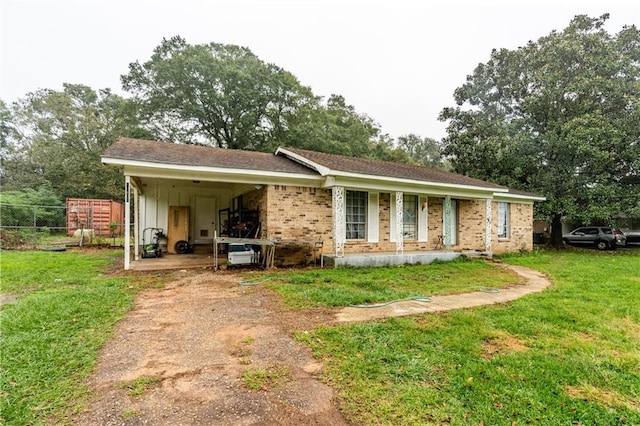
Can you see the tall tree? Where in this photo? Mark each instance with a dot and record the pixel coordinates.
(559, 117)
(215, 94)
(335, 127)
(57, 138)
(425, 151)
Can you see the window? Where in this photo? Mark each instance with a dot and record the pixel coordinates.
(503, 220)
(356, 215)
(410, 217)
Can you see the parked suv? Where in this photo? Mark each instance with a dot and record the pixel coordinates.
(601, 237)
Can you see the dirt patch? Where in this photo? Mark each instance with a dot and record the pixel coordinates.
(7, 298)
(501, 343)
(196, 338)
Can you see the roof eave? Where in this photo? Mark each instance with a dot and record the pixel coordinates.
(168, 170)
(518, 197)
(414, 182)
(324, 171)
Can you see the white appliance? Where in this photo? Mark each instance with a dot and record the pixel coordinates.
(242, 254)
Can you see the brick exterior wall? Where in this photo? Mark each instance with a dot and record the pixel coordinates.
(294, 217)
(520, 229)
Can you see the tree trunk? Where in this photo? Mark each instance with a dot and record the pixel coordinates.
(556, 231)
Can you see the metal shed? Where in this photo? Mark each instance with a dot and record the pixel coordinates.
(104, 217)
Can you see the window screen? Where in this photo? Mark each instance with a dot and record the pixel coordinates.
(410, 217)
(503, 220)
(356, 215)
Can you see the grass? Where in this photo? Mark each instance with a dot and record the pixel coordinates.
(141, 385)
(28, 238)
(349, 286)
(65, 311)
(569, 355)
(264, 379)
(243, 350)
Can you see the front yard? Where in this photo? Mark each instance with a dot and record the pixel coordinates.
(569, 355)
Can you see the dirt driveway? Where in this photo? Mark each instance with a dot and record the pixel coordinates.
(196, 338)
(199, 335)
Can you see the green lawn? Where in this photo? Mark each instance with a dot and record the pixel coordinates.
(65, 311)
(567, 356)
(350, 286)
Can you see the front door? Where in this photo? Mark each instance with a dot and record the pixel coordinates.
(204, 219)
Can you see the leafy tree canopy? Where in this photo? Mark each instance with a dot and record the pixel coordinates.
(424, 151)
(559, 117)
(55, 139)
(215, 94)
(18, 207)
(225, 96)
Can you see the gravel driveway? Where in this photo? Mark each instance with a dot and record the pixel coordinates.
(196, 338)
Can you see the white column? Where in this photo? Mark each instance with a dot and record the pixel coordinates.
(136, 224)
(127, 221)
(399, 223)
(447, 222)
(339, 226)
(489, 226)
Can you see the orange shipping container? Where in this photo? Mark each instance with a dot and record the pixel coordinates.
(102, 216)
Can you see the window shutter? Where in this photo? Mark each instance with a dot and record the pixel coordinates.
(423, 223)
(392, 218)
(373, 217)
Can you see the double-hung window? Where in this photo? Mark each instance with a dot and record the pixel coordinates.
(503, 220)
(356, 215)
(410, 217)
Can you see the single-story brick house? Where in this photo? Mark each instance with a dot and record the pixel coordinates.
(352, 206)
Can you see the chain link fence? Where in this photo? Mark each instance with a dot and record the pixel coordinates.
(30, 227)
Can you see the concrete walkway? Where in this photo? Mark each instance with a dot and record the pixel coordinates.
(533, 282)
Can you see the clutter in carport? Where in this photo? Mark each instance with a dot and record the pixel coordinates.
(241, 251)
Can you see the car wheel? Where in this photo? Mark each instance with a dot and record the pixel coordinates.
(602, 245)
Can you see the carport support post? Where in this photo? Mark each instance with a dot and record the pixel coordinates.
(127, 222)
(136, 224)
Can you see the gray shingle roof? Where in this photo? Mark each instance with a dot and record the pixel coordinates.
(389, 169)
(195, 155)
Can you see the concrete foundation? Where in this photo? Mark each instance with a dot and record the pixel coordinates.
(360, 260)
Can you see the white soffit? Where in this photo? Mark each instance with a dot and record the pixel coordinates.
(178, 171)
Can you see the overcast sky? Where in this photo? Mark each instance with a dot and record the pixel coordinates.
(398, 61)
